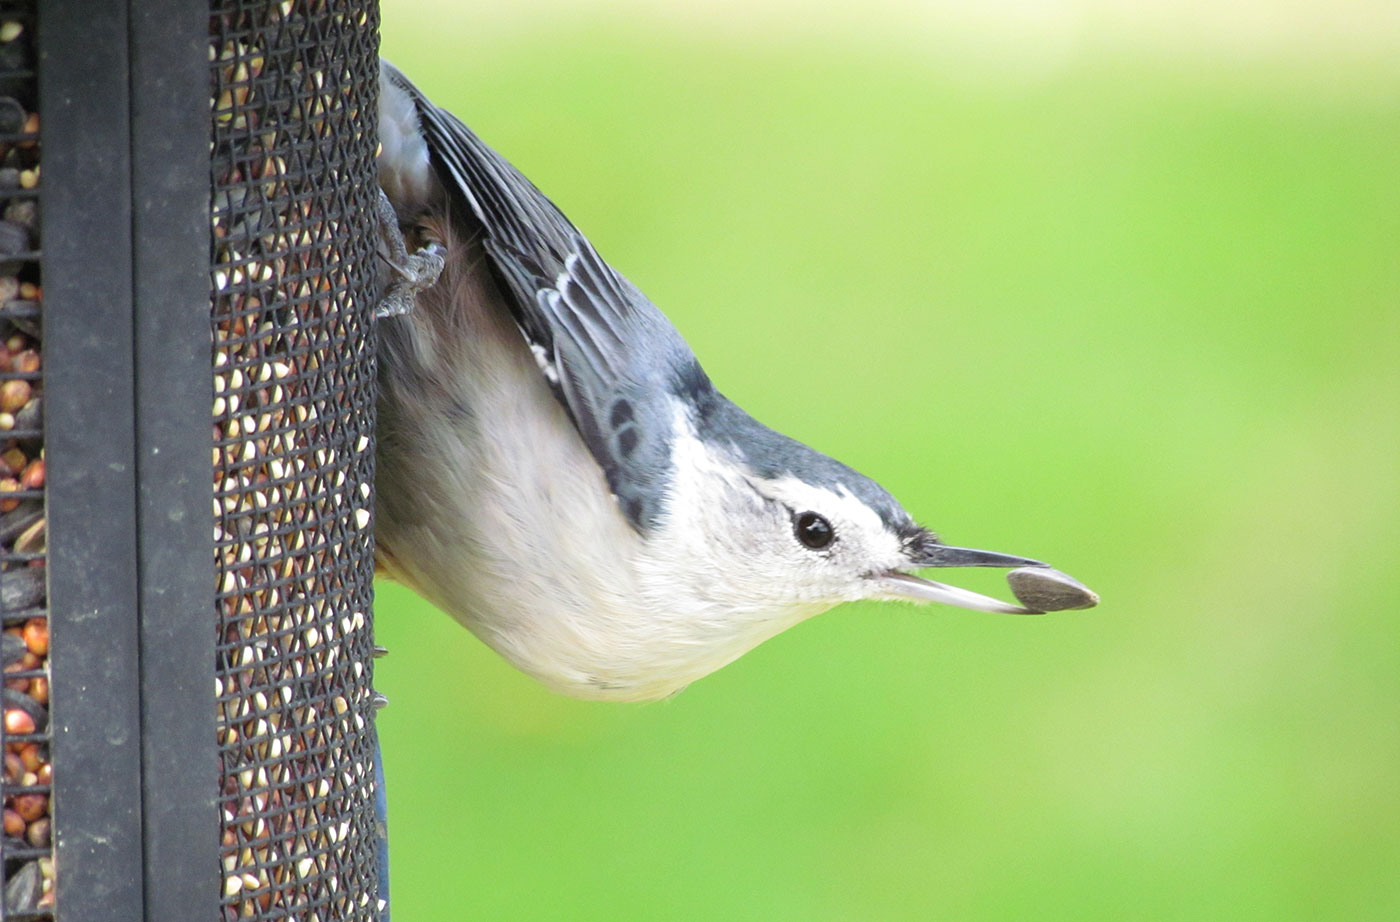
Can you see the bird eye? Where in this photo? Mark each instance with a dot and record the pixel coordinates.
(813, 530)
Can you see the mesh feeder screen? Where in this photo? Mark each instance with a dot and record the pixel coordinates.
(292, 156)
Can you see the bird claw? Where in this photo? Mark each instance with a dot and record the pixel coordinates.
(414, 272)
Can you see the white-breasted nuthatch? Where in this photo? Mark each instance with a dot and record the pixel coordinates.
(557, 472)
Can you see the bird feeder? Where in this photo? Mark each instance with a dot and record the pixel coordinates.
(187, 393)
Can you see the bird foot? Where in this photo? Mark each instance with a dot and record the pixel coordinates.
(413, 272)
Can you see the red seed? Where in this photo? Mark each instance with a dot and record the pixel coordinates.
(27, 361)
(36, 636)
(33, 476)
(18, 721)
(14, 823)
(31, 806)
(31, 755)
(14, 394)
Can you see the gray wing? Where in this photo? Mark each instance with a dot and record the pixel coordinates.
(610, 356)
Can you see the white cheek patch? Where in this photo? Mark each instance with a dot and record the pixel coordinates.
(862, 540)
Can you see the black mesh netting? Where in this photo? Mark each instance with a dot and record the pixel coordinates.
(293, 144)
(27, 847)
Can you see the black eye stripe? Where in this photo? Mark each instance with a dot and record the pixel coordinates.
(813, 530)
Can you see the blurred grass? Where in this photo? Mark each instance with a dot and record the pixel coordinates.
(1136, 318)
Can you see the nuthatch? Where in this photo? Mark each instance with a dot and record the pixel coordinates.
(557, 472)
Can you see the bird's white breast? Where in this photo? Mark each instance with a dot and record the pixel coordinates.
(503, 519)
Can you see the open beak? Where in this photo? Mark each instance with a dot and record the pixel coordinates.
(896, 584)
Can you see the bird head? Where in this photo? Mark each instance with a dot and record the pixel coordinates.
(778, 525)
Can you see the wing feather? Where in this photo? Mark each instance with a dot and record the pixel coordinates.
(616, 359)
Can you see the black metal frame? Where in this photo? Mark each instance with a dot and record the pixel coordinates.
(144, 799)
(174, 391)
(90, 425)
(128, 455)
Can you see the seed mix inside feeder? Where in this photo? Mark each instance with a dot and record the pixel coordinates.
(27, 781)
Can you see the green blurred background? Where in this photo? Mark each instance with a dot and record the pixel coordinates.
(1112, 284)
